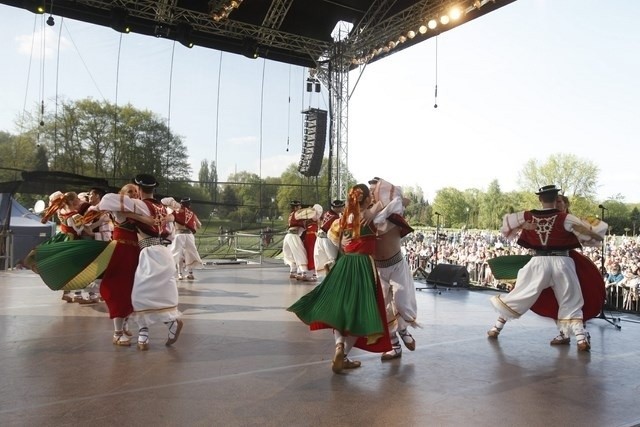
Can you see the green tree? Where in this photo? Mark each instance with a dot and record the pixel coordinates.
(492, 207)
(576, 177)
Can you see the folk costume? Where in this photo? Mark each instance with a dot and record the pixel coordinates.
(551, 236)
(349, 299)
(395, 274)
(183, 247)
(325, 250)
(155, 294)
(293, 251)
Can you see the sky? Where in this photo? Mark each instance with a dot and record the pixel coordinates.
(533, 79)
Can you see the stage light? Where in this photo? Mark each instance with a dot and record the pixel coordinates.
(432, 24)
(249, 48)
(444, 19)
(402, 39)
(422, 29)
(183, 34)
(455, 13)
(411, 34)
(119, 20)
(35, 6)
(50, 21)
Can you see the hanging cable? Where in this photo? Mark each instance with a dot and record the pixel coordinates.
(435, 104)
(41, 89)
(217, 122)
(26, 92)
(289, 110)
(55, 114)
(264, 68)
(173, 50)
(115, 115)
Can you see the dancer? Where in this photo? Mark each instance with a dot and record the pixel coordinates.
(183, 246)
(349, 299)
(325, 250)
(395, 274)
(293, 251)
(551, 234)
(155, 294)
(117, 281)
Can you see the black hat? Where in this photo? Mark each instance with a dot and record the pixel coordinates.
(374, 180)
(185, 201)
(548, 189)
(337, 203)
(295, 203)
(145, 180)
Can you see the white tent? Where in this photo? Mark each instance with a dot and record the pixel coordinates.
(20, 231)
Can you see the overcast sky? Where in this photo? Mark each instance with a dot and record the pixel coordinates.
(532, 79)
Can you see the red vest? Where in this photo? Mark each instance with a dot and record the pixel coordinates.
(156, 209)
(293, 222)
(186, 217)
(549, 233)
(327, 220)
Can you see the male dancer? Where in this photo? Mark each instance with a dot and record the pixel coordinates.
(325, 251)
(183, 247)
(550, 234)
(293, 252)
(155, 294)
(395, 274)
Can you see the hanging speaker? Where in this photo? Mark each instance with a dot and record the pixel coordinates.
(314, 141)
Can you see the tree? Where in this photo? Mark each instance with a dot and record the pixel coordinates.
(576, 177)
(492, 207)
(208, 177)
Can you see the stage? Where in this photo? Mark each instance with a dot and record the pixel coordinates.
(243, 360)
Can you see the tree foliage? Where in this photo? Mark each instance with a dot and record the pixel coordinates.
(577, 177)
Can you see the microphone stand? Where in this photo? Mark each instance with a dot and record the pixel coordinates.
(603, 272)
(435, 285)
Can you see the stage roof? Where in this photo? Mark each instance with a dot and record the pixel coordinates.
(296, 32)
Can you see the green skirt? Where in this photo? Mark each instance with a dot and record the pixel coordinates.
(71, 264)
(345, 300)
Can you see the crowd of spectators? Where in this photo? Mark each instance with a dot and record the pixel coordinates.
(472, 249)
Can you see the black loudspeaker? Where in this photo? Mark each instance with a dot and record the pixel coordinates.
(449, 275)
(315, 137)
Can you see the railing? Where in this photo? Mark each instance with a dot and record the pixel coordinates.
(6, 250)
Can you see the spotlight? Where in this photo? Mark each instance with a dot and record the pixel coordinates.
(35, 6)
(444, 19)
(411, 34)
(183, 34)
(455, 13)
(309, 86)
(432, 24)
(249, 48)
(50, 21)
(317, 86)
(422, 29)
(119, 20)
(161, 31)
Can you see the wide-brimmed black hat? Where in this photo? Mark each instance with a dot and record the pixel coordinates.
(337, 203)
(548, 189)
(185, 201)
(145, 180)
(374, 180)
(295, 203)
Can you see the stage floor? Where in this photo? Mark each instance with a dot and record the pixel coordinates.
(243, 360)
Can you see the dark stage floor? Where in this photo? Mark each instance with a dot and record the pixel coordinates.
(243, 360)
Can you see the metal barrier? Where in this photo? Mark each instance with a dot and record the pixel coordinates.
(6, 250)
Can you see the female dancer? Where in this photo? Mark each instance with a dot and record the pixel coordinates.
(350, 299)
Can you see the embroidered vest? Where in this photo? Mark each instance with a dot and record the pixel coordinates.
(327, 219)
(187, 218)
(549, 233)
(156, 209)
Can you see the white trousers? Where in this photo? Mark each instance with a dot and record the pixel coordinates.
(399, 295)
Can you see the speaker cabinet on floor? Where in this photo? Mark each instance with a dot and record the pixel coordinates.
(449, 275)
